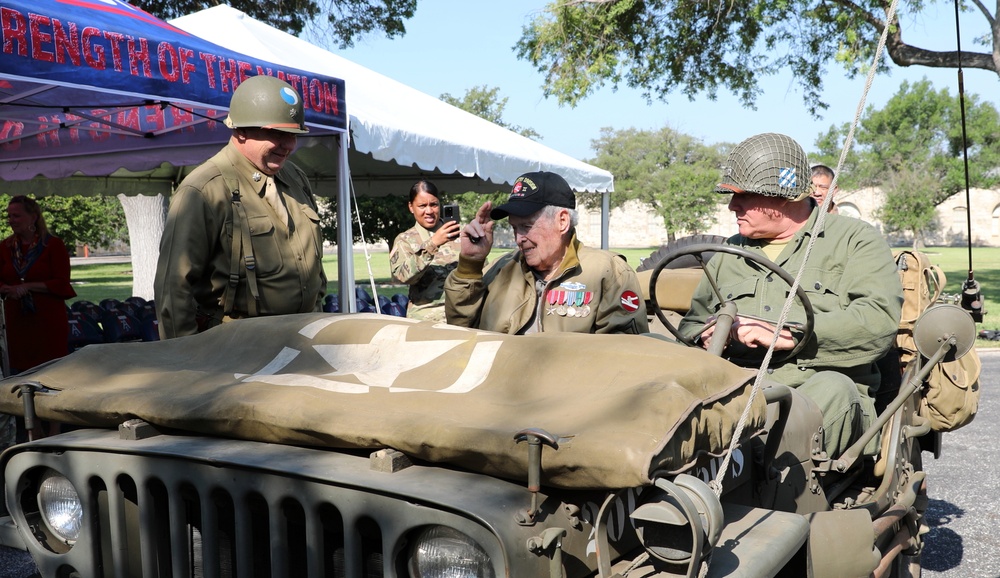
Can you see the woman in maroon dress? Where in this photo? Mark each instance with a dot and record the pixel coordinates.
(34, 285)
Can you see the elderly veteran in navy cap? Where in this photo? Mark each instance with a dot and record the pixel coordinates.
(551, 282)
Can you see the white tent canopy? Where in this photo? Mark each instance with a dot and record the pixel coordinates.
(397, 134)
(159, 124)
(392, 122)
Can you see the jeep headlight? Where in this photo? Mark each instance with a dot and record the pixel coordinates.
(60, 507)
(443, 552)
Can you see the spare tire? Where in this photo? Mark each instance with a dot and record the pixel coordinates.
(686, 262)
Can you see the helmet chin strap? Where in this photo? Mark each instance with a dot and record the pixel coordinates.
(803, 195)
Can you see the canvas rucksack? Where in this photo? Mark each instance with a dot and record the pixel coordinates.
(922, 283)
(951, 393)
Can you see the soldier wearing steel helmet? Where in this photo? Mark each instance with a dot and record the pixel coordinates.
(242, 236)
(850, 280)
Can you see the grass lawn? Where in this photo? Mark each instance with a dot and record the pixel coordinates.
(94, 282)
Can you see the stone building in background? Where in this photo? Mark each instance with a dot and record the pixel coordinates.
(636, 226)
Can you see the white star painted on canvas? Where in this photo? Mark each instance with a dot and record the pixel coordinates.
(388, 355)
(378, 363)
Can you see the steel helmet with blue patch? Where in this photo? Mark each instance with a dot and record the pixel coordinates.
(767, 164)
(266, 102)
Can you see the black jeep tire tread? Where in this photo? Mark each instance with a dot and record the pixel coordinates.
(665, 251)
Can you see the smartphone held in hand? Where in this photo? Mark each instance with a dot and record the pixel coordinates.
(450, 213)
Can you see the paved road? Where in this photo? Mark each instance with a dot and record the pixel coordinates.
(963, 486)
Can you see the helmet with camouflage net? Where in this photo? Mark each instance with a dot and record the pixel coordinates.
(767, 164)
(266, 102)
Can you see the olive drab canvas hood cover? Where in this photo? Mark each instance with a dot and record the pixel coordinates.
(622, 406)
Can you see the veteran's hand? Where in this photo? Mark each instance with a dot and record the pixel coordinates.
(477, 236)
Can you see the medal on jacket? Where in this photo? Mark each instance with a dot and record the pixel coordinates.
(551, 298)
(588, 296)
(571, 303)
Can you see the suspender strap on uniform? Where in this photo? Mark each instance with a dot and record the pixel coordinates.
(242, 240)
(242, 245)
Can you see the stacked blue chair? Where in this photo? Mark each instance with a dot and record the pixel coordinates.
(363, 300)
(137, 301)
(133, 308)
(88, 310)
(366, 304)
(145, 312)
(391, 307)
(402, 302)
(118, 324)
(361, 294)
(83, 330)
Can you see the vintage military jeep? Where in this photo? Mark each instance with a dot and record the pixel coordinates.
(361, 445)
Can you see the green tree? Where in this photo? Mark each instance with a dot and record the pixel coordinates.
(910, 204)
(340, 21)
(382, 218)
(78, 220)
(919, 129)
(670, 172)
(697, 47)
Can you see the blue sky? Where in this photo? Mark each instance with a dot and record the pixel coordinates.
(454, 45)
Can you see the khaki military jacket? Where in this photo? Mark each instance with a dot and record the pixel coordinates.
(193, 270)
(593, 291)
(851, 281)
(418, 262)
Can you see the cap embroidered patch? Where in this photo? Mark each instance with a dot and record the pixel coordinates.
(518, 190)
(630, 301)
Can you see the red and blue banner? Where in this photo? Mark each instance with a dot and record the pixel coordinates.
(91, 76)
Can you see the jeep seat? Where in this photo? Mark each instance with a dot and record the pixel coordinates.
(674, 288)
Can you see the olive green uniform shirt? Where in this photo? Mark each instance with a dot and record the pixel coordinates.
(193, 270)
(852, 284)
(851, 281)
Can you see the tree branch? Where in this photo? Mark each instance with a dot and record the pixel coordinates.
(867, 16)
(905, 55)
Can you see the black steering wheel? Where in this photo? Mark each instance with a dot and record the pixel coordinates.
(702, 252)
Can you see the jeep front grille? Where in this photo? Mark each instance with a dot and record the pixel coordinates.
(207, 531)
(202, 516)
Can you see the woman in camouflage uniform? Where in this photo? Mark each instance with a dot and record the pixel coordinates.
(423, 255)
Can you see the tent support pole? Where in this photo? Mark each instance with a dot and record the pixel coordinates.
(345, 236)
(605, 213)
